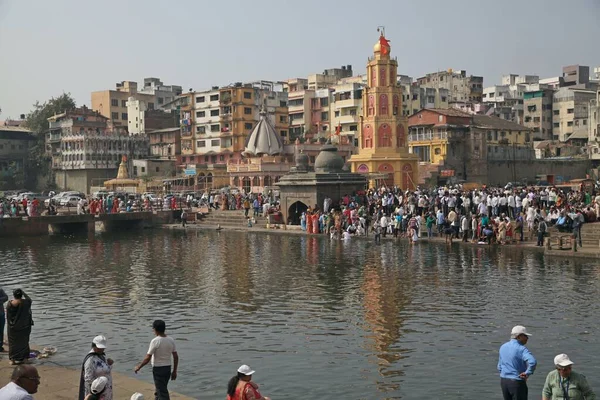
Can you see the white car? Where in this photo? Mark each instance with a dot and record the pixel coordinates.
(69, 201)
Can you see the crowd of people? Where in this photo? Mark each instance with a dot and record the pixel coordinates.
(486, 215)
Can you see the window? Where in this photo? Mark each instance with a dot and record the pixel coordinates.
(440, 118)
(143, 169)
(200, 99)
(556, 112)
(124, 116)
(214, 113)
(124, 103)
(570, 123)
(114, 103)
(282, 119)
(443, 98)
(201, 129)
(570, 111)
(150, 106)
(324, 116)
(324, 102)
(201, 143)
(247, 110)
(205, 158)
(161, 100)
(282, 104)
(200, 114)
(536, 119)
(248, 125)
(283, 133)
(214, 97)
(337, 114)
(585, 122)
(215, 128)
(157, 169)
(114, 115)
(353, 128)
(247, 95)
(556, 125)
(215, 142)
(489, 136)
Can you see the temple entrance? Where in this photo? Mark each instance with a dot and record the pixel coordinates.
(295, 212)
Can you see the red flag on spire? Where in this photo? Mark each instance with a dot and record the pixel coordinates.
(385, 45)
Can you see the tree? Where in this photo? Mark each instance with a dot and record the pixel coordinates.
(39, 163)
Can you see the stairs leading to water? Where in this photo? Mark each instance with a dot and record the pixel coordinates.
(231, 219)
(590, 234)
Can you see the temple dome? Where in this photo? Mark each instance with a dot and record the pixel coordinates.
(329, 160)
(263, 139)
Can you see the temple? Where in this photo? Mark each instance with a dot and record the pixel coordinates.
(383, 146)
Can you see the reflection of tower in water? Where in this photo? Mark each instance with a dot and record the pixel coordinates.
(386, 293)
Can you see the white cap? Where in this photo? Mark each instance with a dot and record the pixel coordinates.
(137, 396)
(100, 342)
(562, 360)
(519, 330)
(99, 384)
(246, 370)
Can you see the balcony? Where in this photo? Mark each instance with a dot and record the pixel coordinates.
(295, 109)
(349, 103)
(427, 136)
(347, 119)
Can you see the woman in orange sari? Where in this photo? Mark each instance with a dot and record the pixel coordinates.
(240, 386)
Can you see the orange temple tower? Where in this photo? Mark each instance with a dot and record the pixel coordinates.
(383, 143)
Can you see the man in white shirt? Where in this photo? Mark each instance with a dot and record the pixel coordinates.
(23, 383)
(160, 351)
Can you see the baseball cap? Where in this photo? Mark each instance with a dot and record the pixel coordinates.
(100, 342)
(562, 360)
(246, 370)
(519, 330)
(99, 384)
(137, 396)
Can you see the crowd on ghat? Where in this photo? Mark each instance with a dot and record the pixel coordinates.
(486, 215)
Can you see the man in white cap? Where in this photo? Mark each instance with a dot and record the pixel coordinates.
(563, 383)
(516, 364)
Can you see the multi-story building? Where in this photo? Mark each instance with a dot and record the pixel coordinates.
(347, 109)
(113, 103)
(165, 143)
(461, 144)
(86, 149)
(460, 86)
(570, 114)
(537, 109)
(299, 107)
(594, 127)
(328, 77)
(142, 120)
(14, 152)
(416, 97)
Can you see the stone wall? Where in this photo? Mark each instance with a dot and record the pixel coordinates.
(82, 179)
(501, 172)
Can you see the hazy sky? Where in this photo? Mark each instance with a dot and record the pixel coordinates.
(79, 46)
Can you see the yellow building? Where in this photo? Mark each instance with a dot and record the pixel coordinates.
(383, 145)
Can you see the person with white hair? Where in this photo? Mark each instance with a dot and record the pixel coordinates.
(563, 383)
(516, 364)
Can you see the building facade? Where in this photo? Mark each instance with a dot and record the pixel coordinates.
(461, 87)
(537, 109)
(113, 103)
(86, 149)
(15, 142)
(570, 110)
(383, 146)
(346, 111)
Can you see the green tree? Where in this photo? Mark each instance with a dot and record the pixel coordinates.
(39, 163)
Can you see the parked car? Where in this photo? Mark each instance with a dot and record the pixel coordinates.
(70, 201)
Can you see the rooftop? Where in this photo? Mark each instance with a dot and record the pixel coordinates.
(490, 122)
(449, 112)
(15, 133)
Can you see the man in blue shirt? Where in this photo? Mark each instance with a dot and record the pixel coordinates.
(516, 364)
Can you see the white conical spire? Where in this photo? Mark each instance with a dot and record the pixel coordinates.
(263, 139)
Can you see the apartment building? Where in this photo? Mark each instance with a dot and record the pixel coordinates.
(86, 148)
(347, 109)
(141, 120)
(570, 114)
(329, 77)
(594, 127)
(461, 87)
(416, 97)
(299, 107)
(113, 103)
(537, 109)
(15, 142)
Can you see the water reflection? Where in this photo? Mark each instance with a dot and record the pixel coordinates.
(382, 322)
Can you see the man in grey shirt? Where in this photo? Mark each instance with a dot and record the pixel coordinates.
(3, 299)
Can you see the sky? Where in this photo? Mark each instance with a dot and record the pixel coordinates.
(79, 46)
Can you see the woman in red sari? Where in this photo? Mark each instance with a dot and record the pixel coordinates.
(240, 386)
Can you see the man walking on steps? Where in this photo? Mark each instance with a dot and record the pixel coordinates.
(160, 351)
(516, 364)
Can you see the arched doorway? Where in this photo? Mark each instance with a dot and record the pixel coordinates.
(246, 184)
(295, 212)
(407, 177)
(388, 171)
(201, 181)
(256, 181)
(268, 181)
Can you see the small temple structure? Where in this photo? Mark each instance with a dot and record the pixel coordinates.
(303, 188)
(122, 181)
(383, 146)
(265, 162)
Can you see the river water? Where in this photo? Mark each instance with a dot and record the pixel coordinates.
(315, 318)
